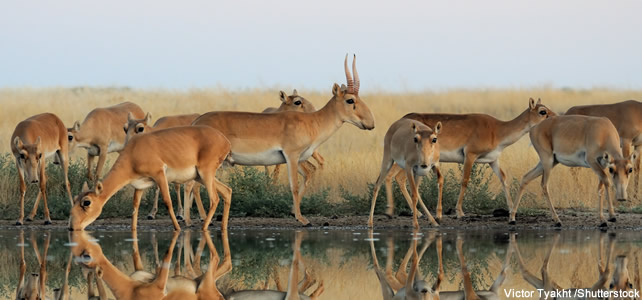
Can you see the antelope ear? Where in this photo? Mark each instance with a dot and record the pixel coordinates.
(76, 126)
(294, 92)
(99, 188)
(148, 117)
(130, 116)
(604, 160)
(336, 90)
(539, 101)
(85, 187)
(438, 128)
(283, 96)
(531, 103)
(18, 142)
(633, 157)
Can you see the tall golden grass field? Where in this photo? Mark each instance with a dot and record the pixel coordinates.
(353, 156)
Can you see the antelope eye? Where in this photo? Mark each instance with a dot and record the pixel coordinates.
(86, 203)
(125, 128)
(434, 140)
(542, 112)
(140, 129)
(40, 156)
(350, 101)
(611, 170)
(297, 103)
(416, 140)
(71, 137)
(22, 156)
(630, 170)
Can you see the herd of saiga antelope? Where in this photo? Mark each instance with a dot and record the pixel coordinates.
(190, 148)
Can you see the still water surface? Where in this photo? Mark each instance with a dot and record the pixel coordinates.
(331, 264)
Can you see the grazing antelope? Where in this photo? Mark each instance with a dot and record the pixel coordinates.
(261, 140)
(477, 138)
(101, 133)
(178, 154)
(122, 286)
(626, 116)
(295, 102)
(402, 285)
(34, 140)
(295, 289)
(413, 146)
(579, 141)
(619, 278)
(138, 126)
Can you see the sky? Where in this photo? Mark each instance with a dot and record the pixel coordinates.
(400, 45)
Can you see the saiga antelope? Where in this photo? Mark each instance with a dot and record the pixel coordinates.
(33, 285)
(414, 147)
(101, 133)
(295, 102)
(178, 154)
(476, 138)
(579, 141)
(626, 116)
(402, 285)
(137, 126)
(122, 286)
(618, 280)
(260, 140)
(34, 140)
(422, 290)
(295, 289)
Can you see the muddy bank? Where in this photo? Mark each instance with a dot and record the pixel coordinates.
(570, 220)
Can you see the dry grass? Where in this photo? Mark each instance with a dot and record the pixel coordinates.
(353, 156)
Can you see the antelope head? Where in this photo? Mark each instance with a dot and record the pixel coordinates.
(294, 102)
(87, 207)
(136, 126)
(426, 146)
(71, 135)
(538, 112)
(86, 251)
(31, 289)
(29, 157)
(621, 280)
(349, 105)
(620, 170)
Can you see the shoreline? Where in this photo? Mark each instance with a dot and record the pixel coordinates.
(571, 220)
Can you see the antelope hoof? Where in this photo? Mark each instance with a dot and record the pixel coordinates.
(28, 219)
(47, 222)
(308, 225)
(390, 216)
(513, 223)
(558, 224)
(180, 218)
(150, 217)
(438, 220)
(18, 223)
(604, 225)
(612, 219)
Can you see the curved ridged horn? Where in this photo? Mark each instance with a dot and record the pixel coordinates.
(356, 75)
(348, 76)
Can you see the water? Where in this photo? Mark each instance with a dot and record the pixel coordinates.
(509, 264)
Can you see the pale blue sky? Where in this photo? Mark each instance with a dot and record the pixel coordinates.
(401, 45)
